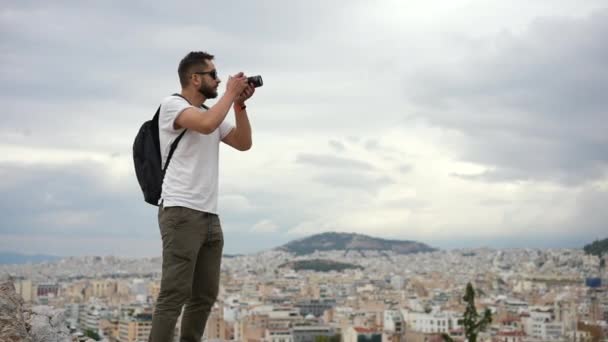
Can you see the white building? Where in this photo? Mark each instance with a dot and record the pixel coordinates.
(26, 289)
(90, 317)
(139, 288)
(310, 333)
(434, 322)
(277, 335)
(397, 282)
(541, 325)
(393, 322)
(72, 313)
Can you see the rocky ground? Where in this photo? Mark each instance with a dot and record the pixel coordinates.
(20, 322)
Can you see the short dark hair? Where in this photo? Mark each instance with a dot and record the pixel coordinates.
(192, 60)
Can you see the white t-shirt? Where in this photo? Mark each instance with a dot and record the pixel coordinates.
(191, 179)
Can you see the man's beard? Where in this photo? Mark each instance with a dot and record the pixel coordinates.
(207, 91)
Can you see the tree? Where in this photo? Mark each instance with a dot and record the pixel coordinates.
(92, 334)
(598, 247)
(473, 323)
(335, 338)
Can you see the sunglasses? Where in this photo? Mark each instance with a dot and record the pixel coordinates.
(212, 73)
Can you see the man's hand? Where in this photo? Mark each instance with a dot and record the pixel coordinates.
(245, 94)
(236, 84)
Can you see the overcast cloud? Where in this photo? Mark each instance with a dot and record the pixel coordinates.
(453, 123)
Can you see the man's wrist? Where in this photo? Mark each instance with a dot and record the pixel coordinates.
(239, 107)
(231, 96)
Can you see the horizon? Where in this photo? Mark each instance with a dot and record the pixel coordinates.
(460, 123)
(495, 246)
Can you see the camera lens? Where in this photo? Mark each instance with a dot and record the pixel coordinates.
(255, 81)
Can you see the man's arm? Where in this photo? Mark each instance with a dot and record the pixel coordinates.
(240, 136)
(206, 122)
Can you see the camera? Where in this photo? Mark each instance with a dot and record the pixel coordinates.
(255, 81)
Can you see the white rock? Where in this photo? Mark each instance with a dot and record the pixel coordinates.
(41, 329)
(58, 319)
(43, 310)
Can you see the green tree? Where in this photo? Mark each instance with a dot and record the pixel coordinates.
(473, 323)
(335, 338)
(598, 247)
(92, 334)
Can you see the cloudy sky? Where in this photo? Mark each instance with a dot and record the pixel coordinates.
(454, 123)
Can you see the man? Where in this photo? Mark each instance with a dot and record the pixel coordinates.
(190, 227)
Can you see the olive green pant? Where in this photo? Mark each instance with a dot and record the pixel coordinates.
(192, 252)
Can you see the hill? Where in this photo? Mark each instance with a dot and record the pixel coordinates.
(350, 241)
(16, 258)
(597, 247)
(319, 265)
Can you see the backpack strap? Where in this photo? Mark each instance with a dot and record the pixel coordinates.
(173, 148)
(180, 95)
(174, 144)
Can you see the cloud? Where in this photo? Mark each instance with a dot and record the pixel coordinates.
(329, 161)
(405, 168)
(237, 203)
(406, 203)
(355, 181)
(501, 175)
(489, 128)
(372, 145)
(590, 215)
(493, 202)
(530, 105)
(265, 226)
(337, 145)
(78, 245)
(79, 198)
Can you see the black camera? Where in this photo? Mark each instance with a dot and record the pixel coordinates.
(255, 81)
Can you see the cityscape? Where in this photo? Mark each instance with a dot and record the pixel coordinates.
(415, 171)
(532, 294)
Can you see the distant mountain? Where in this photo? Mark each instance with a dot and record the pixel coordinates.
(598, 247)
(229, 256)
(320, 265)
(350, 242)
(16, 258)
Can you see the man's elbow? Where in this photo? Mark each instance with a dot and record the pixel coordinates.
(245, 147)
(207, 126)
(206, 129)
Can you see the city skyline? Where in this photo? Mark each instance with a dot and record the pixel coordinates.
(460, 124)
(19, 257)
(533, 295)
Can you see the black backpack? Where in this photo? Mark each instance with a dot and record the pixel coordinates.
(147, 158)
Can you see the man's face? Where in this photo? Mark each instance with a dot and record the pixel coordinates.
(209, 81)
